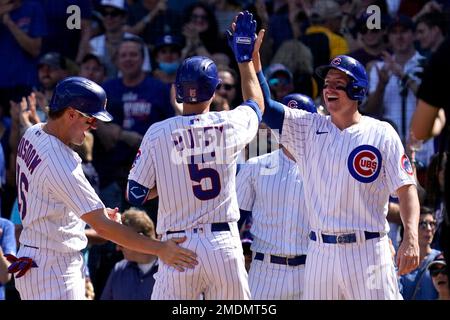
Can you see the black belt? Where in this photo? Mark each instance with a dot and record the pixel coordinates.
(218, 226)
(295, 261)
(343, 238)
(25, 245)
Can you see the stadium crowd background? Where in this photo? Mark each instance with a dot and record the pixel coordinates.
(133, 49)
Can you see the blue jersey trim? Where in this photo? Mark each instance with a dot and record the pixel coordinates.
(252, 104)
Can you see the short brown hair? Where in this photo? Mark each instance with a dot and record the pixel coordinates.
(139, 221)
(55, 114)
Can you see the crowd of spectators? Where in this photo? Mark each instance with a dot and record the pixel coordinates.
(132, 48)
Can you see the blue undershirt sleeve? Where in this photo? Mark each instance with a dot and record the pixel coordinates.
(274, 111)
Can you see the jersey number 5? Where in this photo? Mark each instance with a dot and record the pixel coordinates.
(22, 186)
(198, 175)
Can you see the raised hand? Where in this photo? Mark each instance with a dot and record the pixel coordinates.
(256, 57)
(242, 40)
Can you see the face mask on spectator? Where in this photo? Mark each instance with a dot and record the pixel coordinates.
(169, 67)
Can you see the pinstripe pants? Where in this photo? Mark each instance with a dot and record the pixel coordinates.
(270, 281)
(363, 270)
(59, 276)
(220, 274)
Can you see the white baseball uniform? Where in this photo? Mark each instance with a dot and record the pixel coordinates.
(348, 175)
(192, 161)
(271, 187)
(53, 194)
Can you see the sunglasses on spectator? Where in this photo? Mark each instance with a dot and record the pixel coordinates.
(278, 81)
(425, 224)
(226, 86)
(112, 13)
(199, 17)
(435, 271)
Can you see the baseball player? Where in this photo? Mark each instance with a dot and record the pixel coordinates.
(350, 164)
(194, 156)
(270, 188)
(56, 200)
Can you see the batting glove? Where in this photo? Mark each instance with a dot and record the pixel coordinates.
(242, 41)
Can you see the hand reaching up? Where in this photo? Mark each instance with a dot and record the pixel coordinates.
(242, 36)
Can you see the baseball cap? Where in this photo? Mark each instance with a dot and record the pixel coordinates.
(91, 56)
(401, 21)
(118, 4)
(168, 40)
(54, 60)
(324, 10)
(439, 260)
(275, 68)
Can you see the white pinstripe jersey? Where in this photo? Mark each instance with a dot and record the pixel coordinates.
(53, 193)
(270, 186)
(199, 191)
(349, 174)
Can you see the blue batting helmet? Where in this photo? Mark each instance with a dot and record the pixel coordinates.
(81, 94)
(299, 101)
(196, 80)
(358, 85)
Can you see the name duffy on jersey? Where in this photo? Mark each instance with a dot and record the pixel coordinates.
(199, 145)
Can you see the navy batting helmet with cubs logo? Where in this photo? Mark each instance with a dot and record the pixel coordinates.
(81, 94)
(358, 85)
(299, 101)
(196, 80)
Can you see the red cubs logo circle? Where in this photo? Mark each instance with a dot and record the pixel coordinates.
(364, 163)
(292, 104)
(406, 165)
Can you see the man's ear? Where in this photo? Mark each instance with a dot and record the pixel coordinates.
(72, 113)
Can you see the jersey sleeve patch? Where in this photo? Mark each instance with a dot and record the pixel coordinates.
(406, 165)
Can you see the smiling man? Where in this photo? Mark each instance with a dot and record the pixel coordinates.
(351, 164)
(56, 201)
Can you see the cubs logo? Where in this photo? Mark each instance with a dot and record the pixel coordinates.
(364, 163)
(406, 165)
(336, 61)
(138, 155)
(292, 104)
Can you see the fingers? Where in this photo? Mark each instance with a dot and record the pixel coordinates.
(187, 258)
(406, 264)
(176, 266)
(259, 39)
(253, 26)
(23, 104)
(32, 100)
(179, 240)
